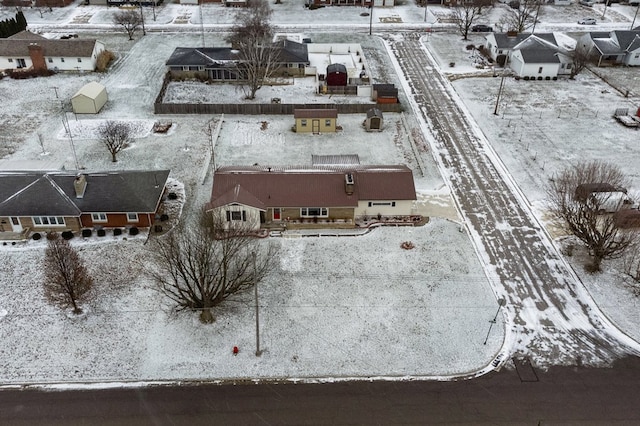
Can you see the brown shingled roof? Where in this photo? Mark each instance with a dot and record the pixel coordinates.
(52, 48)
(315, 113)
(311, 186)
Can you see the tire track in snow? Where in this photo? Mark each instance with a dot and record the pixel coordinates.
(554, 319)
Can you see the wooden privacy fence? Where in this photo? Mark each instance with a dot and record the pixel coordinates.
(267, 109)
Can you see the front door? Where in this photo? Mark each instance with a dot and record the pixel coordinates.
(276, 213)
(16, 226)
(315, 126)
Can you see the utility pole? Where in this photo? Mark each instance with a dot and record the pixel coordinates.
(635, 16)
(255, 289)
(535, 20)
(144, 32)
(606, 3)
(426, 3)
(371, 17)
(504, 73)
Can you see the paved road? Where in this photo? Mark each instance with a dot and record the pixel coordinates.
(561, 395)
(553, 319)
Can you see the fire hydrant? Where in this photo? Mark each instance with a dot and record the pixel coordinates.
(235, 350)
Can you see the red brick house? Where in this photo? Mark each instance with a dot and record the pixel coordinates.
(72, 201)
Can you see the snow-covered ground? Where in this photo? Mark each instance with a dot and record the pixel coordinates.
(336, 307)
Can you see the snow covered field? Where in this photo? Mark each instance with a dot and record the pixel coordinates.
(375, 310)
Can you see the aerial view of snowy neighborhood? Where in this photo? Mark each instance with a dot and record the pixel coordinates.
(316, 191)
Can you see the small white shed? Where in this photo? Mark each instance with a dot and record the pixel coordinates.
(89, 99)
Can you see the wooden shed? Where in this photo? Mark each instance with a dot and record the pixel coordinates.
(337, 75)
(315, 120)
(385, 93)
(374, 120)
(89, 99)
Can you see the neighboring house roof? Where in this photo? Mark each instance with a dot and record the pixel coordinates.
(505, 41)
(315, 113)
(91, 90)
(616, 42)
(539, 56)
(292, 52)
(18, 45)
(185, 56)
(309, 186)
(53, 193)
(27, 35)
(335, 160)
(289, 52)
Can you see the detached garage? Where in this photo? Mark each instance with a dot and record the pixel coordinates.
(90, 99)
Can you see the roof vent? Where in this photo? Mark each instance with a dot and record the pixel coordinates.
(80, 185)
(348, 183)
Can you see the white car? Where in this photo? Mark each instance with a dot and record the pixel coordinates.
(587, 21)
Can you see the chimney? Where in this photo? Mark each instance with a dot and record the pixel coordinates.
(348, 183)
(80, 185)
(36, 53)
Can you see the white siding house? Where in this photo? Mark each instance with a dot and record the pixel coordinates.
(26, 50)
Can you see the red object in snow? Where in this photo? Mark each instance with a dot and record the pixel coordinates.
(638, 112)
(235, 350)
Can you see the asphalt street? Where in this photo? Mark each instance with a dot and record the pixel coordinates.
(515, 396)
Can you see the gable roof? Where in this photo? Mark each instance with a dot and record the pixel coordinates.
(616, 42)
(18, 45)
(309, 186)
(53, 193)
(505, 41)
(90, 90)
(539, 56)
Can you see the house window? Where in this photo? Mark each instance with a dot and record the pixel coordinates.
(569, 66)
(637, 55)
(10, 59)
(303, 123)
(200, 68)
(79, 59)
(48, 220)
(382, 203)
(327, 123)
(540, 70)
(314, 212)
(99, 217)
(132, 217)
(236, 215)
(50, 60)
(61, 59)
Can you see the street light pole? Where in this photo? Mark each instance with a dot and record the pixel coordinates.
(255, 289)
(501, 303)
(504, 73)
(371, 16)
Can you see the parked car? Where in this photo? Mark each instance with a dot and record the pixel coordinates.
(481, 28)
(588, 3)
(587, 21)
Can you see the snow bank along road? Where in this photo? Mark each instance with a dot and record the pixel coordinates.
(553, 319)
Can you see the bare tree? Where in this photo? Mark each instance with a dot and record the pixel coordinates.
(67, 279)
(129, 20)
(116, 136)
(522, 17)
(631, 262)
(464, 15)
(257, 55)
(198, 267)
(582, 211)
(579, 60)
